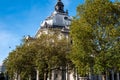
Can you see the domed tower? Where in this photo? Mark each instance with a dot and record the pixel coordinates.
(57, 23)
(59, 19)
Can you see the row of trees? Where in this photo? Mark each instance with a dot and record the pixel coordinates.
(96, 35)
(95, 48)
(42, 54)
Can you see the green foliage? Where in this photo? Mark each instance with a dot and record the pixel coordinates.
(20, 61)
(44, 53)
(95, 32)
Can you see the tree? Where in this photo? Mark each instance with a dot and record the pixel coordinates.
(52, 53)
(95, 32)
(41, 54)
(20, 62)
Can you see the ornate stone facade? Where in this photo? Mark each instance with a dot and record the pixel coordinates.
(59, 19)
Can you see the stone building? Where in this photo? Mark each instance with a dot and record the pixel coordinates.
(58, 21)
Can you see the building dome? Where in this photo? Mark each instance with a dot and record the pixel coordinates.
(59, 19)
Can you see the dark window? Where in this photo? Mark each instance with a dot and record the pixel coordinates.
(65, 17)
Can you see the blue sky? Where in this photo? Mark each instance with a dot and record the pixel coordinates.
(20, 18)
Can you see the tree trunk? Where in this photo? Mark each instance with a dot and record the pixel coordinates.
(112, 75)
(106, 75)
(67, 74)
(118, 78)
(15, 76)
(103, 77)
(37, 76)
(50, 74)
(46, 75)
(19, 77)
(30, 77)
(77, 74)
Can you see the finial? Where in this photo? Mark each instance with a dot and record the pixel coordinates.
(59, 7)
(59, 0)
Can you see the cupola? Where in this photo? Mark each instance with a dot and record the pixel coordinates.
(59, 7)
